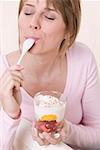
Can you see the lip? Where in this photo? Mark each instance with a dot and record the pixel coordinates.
(35, 38)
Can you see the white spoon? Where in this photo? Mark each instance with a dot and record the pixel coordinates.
(28, 43)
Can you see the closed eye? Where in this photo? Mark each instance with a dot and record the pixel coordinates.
(50, 18)
(28, 14)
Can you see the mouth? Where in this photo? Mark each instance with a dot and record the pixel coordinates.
(35, 38)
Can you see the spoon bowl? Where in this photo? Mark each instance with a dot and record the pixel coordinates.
(28, 43)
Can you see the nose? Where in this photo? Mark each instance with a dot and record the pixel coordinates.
(35, 23)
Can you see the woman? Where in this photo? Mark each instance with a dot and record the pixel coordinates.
(56, 63)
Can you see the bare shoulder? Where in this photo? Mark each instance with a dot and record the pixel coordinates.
(12, 57)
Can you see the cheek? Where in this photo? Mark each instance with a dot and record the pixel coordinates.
(54, 33)
(21, 23)
(22, 28)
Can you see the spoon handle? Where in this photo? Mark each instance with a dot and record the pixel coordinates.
(19, 60)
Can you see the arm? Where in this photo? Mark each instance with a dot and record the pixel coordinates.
(8, 127)
(10, 107)
(87, 134)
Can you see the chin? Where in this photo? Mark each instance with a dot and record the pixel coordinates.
(36, 50)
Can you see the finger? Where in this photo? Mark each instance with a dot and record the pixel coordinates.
(60, 126)
(45, 142)
(9, 84)
(51, 139)
(16, 67)
(57, 136)
(16, 79)
(14, 85)
(17, 74)
(36, 137)
(10, 76)
(64, 131)
(38, 140)
(63, 135)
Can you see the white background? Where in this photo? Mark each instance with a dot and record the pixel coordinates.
(89, 31)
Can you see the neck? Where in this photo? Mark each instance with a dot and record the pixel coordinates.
(43, 63)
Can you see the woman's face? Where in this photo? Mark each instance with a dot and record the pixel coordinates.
(44, 24)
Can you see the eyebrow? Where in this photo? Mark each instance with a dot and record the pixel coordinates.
(48, 9)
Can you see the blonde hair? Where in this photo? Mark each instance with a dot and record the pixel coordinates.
(71, 13)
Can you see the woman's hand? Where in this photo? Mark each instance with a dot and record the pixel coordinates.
(10, 95)
(64, 131)
(45, 138)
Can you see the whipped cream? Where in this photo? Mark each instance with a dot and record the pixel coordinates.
(48, 101)
(47, 105)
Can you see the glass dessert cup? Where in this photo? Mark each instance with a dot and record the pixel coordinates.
(49, 108)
